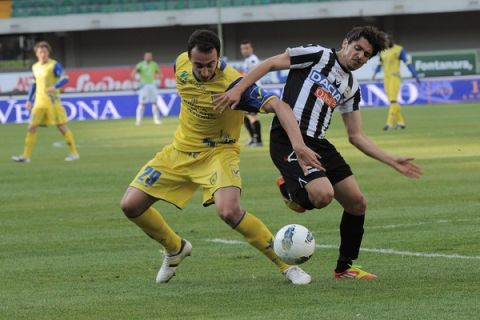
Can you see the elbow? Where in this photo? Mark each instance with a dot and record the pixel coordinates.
(272, 106)
(354, 140)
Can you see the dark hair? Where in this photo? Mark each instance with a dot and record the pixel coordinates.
(42, 44)
(204, 40)
(246, 42)
(390, 41)
(378, 39)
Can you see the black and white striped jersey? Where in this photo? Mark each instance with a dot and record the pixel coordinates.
(317, 85)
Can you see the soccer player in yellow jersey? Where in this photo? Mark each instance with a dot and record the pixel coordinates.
(390, 60)
(44, 102)
(205, 153)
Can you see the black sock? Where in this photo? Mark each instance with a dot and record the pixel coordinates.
(257, 130)
(301, 197)
(249, 127)
(351, 235)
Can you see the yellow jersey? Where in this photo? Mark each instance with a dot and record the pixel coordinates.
(201, 128)
(46, 75)
(390, 60)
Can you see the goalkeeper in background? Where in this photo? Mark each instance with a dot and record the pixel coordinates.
(390, 61)
(147, 93)
(44, 102)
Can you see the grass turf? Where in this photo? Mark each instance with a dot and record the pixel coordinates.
(67, 252)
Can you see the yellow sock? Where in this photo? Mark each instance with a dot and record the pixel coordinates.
(153, 224)
(391, 115)
(70, 141)
(258, 235)
(399, 116)
(29, 142)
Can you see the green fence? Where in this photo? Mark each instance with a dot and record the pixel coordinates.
(28, 8)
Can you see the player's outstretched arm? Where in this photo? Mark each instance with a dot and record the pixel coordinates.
(361, 141)
(306, 157)
(231, 98)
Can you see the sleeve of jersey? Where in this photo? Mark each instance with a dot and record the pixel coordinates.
(60, 73)
(253, 99)
(352, 104)
(31, 92)
(404, 57)
(305, 56)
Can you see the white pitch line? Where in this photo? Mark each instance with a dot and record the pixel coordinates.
(401, 225)
(374, 250)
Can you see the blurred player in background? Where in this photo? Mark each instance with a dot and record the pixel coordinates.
(320, 81)
(390, 60)
(205, 153)
(44, 102)
(251, 119)
(149, 72)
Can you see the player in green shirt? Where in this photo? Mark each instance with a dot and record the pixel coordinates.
(149, 72)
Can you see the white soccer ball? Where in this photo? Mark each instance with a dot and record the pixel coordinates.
(294, 244)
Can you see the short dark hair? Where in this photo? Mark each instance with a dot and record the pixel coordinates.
(204, 40)
(42, 44)
(246, 42)
(377, 38)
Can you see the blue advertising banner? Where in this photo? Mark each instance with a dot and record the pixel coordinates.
(114, 105)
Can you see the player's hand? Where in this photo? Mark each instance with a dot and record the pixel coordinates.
(28, 106)
(418, 80)
(406, 167)
(229, 99)
(50, 90)
(307, 158)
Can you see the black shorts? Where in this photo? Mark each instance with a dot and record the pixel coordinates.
(284, 158)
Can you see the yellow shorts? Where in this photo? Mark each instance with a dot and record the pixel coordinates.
(174, 175)
(392, 86)
(52, 115)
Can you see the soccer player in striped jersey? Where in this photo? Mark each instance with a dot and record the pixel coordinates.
(205, 153)
(44, 102)
(390, 60)
(251, 121)
(319, 82)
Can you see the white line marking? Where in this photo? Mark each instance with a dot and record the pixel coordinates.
(374, 250)
(401, 225)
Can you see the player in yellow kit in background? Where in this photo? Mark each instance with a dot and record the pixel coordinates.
(205, 153)
(44, 102)
(390, 61)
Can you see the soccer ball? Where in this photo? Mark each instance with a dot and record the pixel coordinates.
(294, 244)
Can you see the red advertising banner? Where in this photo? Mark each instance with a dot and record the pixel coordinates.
(87, 80)
(111, 79)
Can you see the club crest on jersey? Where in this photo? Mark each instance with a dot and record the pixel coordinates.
(182, 78)
(327, 92)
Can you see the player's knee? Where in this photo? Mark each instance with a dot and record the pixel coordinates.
(230, 214)
(321, 200)
(358, 206)
(128, 208)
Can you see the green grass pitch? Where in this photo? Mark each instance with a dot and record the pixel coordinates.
(67, 252)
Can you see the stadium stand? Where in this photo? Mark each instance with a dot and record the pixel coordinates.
(31, 8)
(5, 9)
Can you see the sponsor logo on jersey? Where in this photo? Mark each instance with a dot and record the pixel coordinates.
(326, 97)
(330, 95)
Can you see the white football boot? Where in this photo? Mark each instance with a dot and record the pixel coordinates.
(20, 159)
(72, 157)
(171, 262)
(296, 275)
